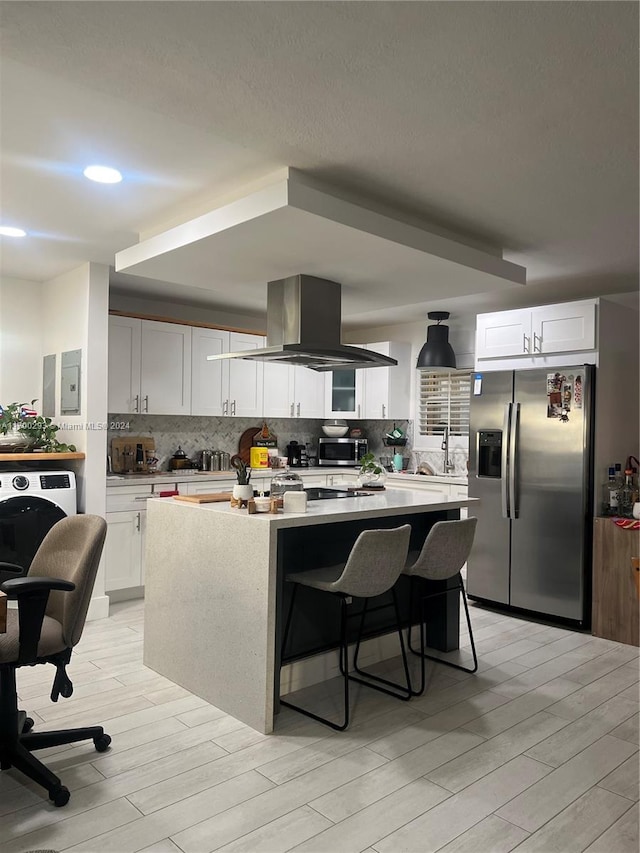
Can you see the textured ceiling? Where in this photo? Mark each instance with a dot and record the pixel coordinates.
(510, 123)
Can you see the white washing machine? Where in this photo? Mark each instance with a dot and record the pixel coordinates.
(31, 502)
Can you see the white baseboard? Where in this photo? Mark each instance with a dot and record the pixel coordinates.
(118, 595)
(98, 608)
(322, 667)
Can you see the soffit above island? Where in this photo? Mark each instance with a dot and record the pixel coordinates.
(294, 224)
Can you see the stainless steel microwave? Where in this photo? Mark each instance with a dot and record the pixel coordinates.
(341, 451)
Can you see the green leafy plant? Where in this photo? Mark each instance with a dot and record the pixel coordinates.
(40, 431)
(368, 464)
(243, 472)
(11, 417)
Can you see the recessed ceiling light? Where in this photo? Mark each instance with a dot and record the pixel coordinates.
(10, 231)
(103, 174)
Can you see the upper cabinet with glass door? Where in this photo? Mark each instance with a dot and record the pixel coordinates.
(344, 397)
(381, 393)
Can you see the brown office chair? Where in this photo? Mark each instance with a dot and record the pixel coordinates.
(53, 599)
(445, 551)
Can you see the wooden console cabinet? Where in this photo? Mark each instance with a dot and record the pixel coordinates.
(615, 597)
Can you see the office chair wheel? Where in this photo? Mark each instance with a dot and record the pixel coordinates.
(59, 796)
(27, 725)
(102, 743)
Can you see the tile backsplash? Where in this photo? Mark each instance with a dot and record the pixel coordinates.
(194, 434)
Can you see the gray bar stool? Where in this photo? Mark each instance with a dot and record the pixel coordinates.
(445, 551)
(372, 568)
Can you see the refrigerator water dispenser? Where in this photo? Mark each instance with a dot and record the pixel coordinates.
(490, 453)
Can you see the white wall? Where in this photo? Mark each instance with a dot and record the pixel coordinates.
(617, 433)
(20, 341)
(76, 309)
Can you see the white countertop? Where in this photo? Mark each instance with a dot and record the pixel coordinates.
(115, 480)
(376, 505)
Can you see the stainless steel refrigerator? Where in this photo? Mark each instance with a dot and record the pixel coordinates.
(531, 465)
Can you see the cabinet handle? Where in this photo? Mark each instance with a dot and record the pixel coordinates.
(291, 410)
(539, 339)
(358, 409)
(146, 402)
(136, 404)
(298, 410)
(138, 522)
(143, 498)
(233, 407)
(526, 344)
(384, 411)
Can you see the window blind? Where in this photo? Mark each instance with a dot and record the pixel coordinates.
(444, 401)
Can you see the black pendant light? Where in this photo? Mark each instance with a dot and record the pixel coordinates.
(436, 353)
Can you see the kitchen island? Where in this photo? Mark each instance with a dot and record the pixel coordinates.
(215, 592)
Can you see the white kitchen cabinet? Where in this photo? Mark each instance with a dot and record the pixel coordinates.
(149, 367)
(503, 333)
(439, 489)
(209, 379)
(461, 492)
(126, 518)
(344, 393)
(564, 328)
(313, 479)
(206, 488)
(165, 368)
(293, 392)
(245, 378)
(124, 550)
(348, 478)
(227, 387)
(124, 364)
(387, 390)
(547, 329)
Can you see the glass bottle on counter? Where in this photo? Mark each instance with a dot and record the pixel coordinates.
(611, 494)
(628, 494)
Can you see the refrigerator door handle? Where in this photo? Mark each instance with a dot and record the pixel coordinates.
(513, 460)
(506, 458)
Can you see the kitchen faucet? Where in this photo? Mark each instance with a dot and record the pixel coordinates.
(447, 464)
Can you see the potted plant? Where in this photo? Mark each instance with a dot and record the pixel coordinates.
(22, 428)
(243, 490)
(370, 473)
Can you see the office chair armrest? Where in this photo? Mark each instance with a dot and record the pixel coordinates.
(10, 570)
(32, 594)
(15, 587)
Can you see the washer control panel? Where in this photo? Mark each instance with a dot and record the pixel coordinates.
(55, 481)
(36, 482)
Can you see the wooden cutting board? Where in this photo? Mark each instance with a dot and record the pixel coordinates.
(211, 497)
(246, 442)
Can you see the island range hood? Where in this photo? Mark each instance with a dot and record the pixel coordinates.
(304, 328)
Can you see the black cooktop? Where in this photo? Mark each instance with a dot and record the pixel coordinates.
(319, 493)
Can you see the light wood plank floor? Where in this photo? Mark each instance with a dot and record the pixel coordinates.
(536, 752)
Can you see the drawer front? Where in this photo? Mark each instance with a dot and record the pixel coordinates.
(125, 498)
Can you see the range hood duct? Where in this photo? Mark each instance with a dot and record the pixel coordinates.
(304, 328)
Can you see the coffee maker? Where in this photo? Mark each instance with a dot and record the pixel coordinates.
(296, 454)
